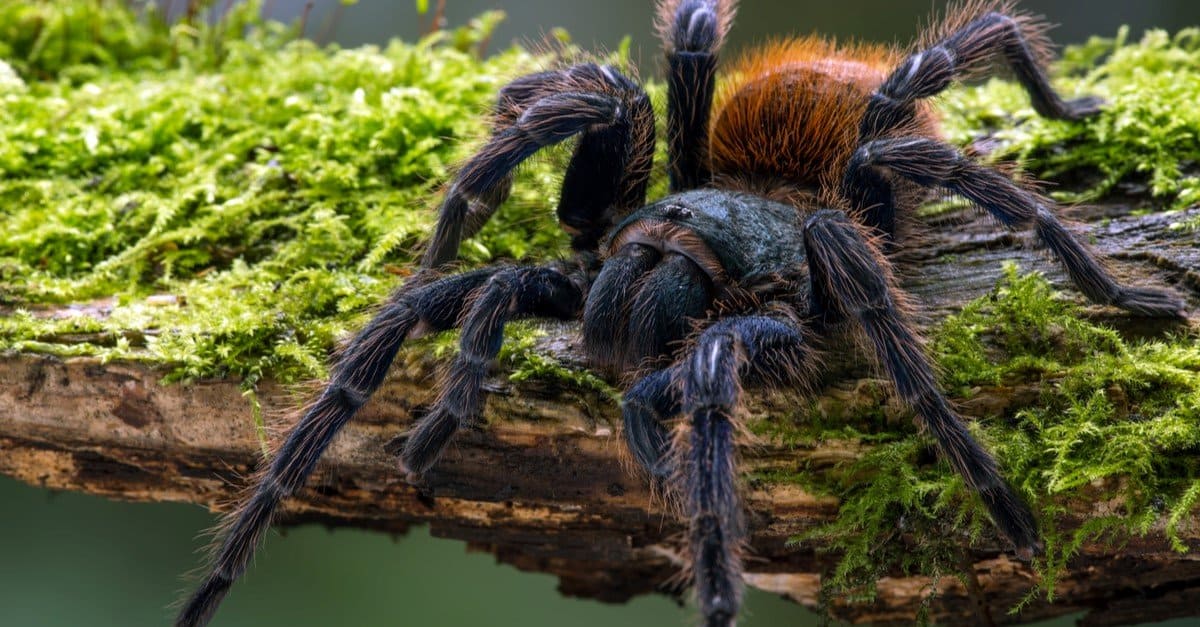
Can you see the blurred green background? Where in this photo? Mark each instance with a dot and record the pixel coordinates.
(69, 559)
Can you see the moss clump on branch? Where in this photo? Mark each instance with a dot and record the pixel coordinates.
(1147, 137)
(270, 186)
(271, 196)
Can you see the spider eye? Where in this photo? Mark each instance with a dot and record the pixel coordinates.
(677, 212)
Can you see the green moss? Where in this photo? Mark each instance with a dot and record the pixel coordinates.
(520, 354)
(1148, 133)
(1116, 422)
(271, 196)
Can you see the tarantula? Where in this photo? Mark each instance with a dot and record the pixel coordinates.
(788, 198)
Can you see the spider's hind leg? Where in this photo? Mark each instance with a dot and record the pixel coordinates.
(852, 280)
(930, 163)
(973, 40)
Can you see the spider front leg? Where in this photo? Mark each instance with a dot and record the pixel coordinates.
(645, 409)
(606, 177)
(933, 164)
(706, 386)
(508, 293)
(851, 280)
(692, 32)
(413, 310)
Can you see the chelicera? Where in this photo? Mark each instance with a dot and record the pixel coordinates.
(792, 185)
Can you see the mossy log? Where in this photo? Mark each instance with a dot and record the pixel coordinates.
(546, 486)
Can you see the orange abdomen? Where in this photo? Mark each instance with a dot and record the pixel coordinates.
(786, 118)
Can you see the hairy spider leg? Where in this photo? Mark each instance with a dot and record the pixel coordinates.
(705, 385)
(934, 164)
(509, 293)
(852, 280)
(970, 41)
(360, 370)
(963, 46)
(610, 169)
(606, 177)
(692, 32)
(532, 112)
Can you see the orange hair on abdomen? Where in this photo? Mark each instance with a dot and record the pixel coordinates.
(786, 117)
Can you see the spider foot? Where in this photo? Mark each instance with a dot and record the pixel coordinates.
(719, 619)
(1082, 108)
(1013, 519)
(1149, 301)
(420, 447)
(695, 25)
(395, 447)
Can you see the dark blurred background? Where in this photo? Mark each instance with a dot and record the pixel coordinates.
(76, 560)
(603, 23)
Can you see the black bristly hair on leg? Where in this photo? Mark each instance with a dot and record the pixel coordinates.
(851, 275)
(360, 370)
(484, 300)
(666, 302)
(610, 169)
(976, 39)
(708, 379)
(970, 39)
(508, 294)
(868, 183)
(931, 163)
(610, 112)
(692, 32)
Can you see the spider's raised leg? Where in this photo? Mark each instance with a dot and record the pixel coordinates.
(361, 368)
(606, 177)
(972, 40)
(706, 386)
(692, 32)
(852, 280)
(934, 164)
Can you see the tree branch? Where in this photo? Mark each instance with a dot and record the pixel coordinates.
(545, 487)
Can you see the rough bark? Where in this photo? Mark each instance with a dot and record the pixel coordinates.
(546, 488)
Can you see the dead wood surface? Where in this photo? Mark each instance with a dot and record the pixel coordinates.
(545, 486)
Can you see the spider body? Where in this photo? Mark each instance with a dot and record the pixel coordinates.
(788, 197)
